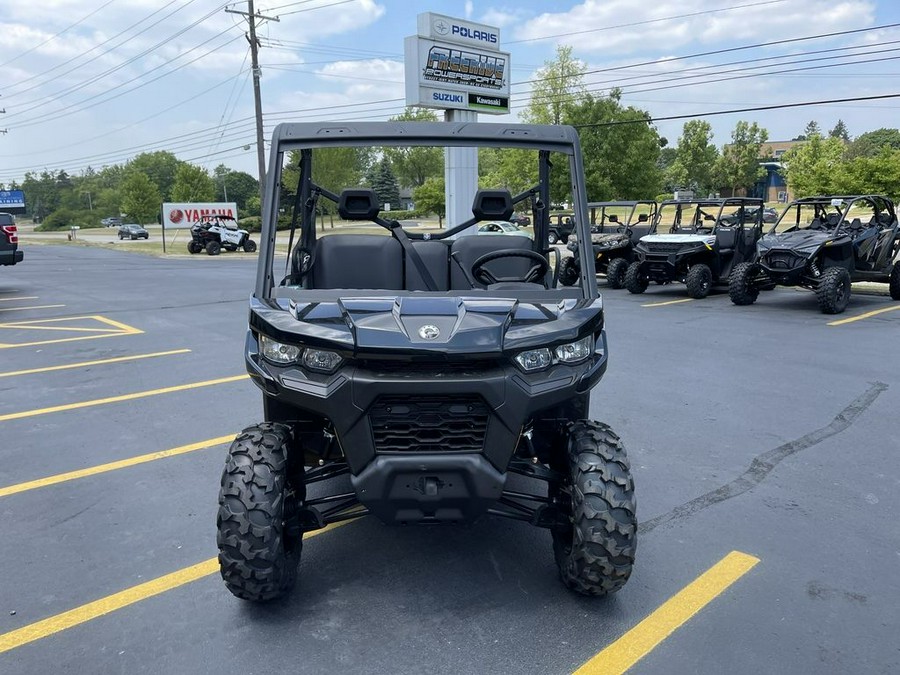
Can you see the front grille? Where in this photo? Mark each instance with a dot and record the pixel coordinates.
(659, 247)
(429, 424)
(401, 369)
(784, 260)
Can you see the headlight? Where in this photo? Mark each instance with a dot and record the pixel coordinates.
(538, 359)
(533, 359)
(278, 352)
(321, 360)
(575, 351)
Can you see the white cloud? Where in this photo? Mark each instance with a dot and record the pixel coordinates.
(384, 71)
(503, 17)
(763, 22)
(468, 9)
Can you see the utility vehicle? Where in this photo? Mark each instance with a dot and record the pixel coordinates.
(823, 244)
(561, 227)
(438, 375)
(616, 227)
(704, 243)
(214, 232)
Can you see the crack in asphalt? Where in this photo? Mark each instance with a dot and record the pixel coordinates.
(763, 464)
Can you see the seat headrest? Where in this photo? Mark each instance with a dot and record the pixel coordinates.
(358, 204)
(492, 205)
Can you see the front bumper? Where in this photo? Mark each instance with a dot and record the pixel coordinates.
(403, 408)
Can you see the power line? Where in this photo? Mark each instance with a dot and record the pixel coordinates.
(778, 106)
(73, 62)
(713, 52)
(53, 37)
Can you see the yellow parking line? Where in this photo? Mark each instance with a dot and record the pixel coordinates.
(117, 399)
(84, 364)
(20, 309)
(23, 297)
(116, 601)
(646, 636)
(115, 329)
(112, 466)
(668, 302)
(867, 315)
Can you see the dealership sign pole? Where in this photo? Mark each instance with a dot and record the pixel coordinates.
(457, 66)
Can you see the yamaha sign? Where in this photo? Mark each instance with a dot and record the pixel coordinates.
(456, 64)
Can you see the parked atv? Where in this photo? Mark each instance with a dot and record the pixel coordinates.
(214, 232)
(823, 244)
(702, 246)
(440, 377)
(616, 227)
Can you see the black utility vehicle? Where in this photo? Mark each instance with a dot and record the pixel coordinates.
(561, 227)
(424, 371)
(823, 244)
(705, 242)
(9, 240)
(616, 228)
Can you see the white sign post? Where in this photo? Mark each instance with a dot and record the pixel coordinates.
(457, 66)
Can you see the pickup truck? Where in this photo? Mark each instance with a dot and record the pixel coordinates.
(9, 241)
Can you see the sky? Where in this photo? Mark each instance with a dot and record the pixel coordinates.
(95, 83)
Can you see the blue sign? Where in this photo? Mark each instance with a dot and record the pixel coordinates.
(12, 199)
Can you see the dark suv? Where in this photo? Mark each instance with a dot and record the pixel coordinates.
(9, 241)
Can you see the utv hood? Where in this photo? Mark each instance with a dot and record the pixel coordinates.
(805, 241)
(678, 239)
(427, 325)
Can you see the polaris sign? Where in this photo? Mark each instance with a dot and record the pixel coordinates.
(448, 29)
(455, 64)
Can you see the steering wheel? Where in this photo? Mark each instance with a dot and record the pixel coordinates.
(533, 275)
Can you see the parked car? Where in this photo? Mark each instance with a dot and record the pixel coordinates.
(133, 231)
(501, 227)
(520, 219)
(111, 222)
(9, 240)
(770, 215)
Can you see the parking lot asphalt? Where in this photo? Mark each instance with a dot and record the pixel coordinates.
(761, 430)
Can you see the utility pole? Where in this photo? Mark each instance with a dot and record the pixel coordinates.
(252, 16)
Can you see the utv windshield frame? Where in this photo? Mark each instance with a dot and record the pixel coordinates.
(305, 137)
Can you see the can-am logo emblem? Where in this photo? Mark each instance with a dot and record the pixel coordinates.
(429, 332)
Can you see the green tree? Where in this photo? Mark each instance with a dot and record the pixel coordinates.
(381, 179)
(141, 200)
(429, 197)
(557, 85)
(620, 149)
(738, 166)
(875, 175)
(192, 184)
(811, 129)
(413, 166)
(695, 158)
(160, 167)
(840, 131)
(234, 186)
(870, 143)
(816, 167)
